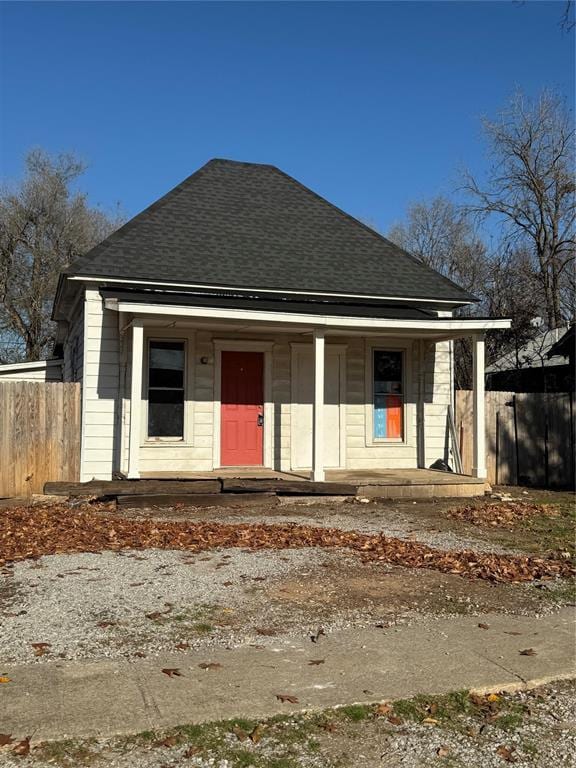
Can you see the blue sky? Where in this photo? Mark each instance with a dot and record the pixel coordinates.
(370, 104)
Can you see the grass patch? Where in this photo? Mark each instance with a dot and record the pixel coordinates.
(288, 741)
(68, 753)
(461, 710)
(356, 712)
(547, 533)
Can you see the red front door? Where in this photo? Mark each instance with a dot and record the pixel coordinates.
(242, 414)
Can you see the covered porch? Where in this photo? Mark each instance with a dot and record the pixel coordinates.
(385, 464)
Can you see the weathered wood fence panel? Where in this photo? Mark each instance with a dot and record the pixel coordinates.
(530, 437)
(39, 435)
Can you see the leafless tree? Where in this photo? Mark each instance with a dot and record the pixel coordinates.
(530, 188)
(444, 238)
(44, 225)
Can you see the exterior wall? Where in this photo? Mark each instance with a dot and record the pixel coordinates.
(427, 395)
(73, 347)
(100, 441)
(438, 395)
(105, 376)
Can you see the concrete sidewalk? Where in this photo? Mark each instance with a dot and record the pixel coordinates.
(63, 699)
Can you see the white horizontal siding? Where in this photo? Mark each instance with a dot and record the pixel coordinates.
(106, 403)
(100, 390)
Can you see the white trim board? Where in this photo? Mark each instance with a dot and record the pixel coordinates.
(449, 325)
(240, 345)
(243, 289)
(31, 366)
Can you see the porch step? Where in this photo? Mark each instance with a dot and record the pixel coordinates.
(197, 500)
(132, 487)
(287, 487)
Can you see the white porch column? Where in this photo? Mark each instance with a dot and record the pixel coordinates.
(318, 408)
(479, 425)
(135, 397)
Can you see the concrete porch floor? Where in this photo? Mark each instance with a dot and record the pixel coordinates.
(382, 483)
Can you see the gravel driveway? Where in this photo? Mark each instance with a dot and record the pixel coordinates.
(133, 603)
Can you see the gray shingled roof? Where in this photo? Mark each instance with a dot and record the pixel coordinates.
(252, 226)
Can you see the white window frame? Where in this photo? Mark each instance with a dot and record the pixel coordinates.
(387, 346)
(156, 334)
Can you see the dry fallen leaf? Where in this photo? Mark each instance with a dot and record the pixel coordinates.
(256, 734)
(5, 738)
(169, 741)
(286, 697)
(210, 665)
(481, 625)
(383, 709)
(182, 646)
(506, 753)
(429, 721)
(4, 679)
(267, 631)
(22, 748)
(315, 662)
(527, 652)
(240, 733)
(172, 672)
(395, 720)
(40, 648)
(329, 726)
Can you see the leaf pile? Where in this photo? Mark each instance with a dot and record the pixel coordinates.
(30, 532)
(503, 515)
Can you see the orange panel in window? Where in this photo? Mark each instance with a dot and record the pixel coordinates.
(394, 416)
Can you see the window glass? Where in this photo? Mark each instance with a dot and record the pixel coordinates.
(166, 389)
(388, 394)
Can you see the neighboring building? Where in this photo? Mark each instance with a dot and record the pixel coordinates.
(544, 364)
(242, 320)
(40, 370)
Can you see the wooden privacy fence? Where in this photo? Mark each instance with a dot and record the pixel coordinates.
(39, 435)
(530, 437)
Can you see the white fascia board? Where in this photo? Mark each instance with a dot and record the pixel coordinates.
(126, 281)
(31, 366)
(314, 321)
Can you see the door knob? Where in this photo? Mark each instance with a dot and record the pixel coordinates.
(260, 421)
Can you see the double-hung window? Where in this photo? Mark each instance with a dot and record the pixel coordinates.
(388, 394)
(166, 381)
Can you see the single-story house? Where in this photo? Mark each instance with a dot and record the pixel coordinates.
(244, 321)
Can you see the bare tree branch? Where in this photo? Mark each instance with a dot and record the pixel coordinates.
(43, 227)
